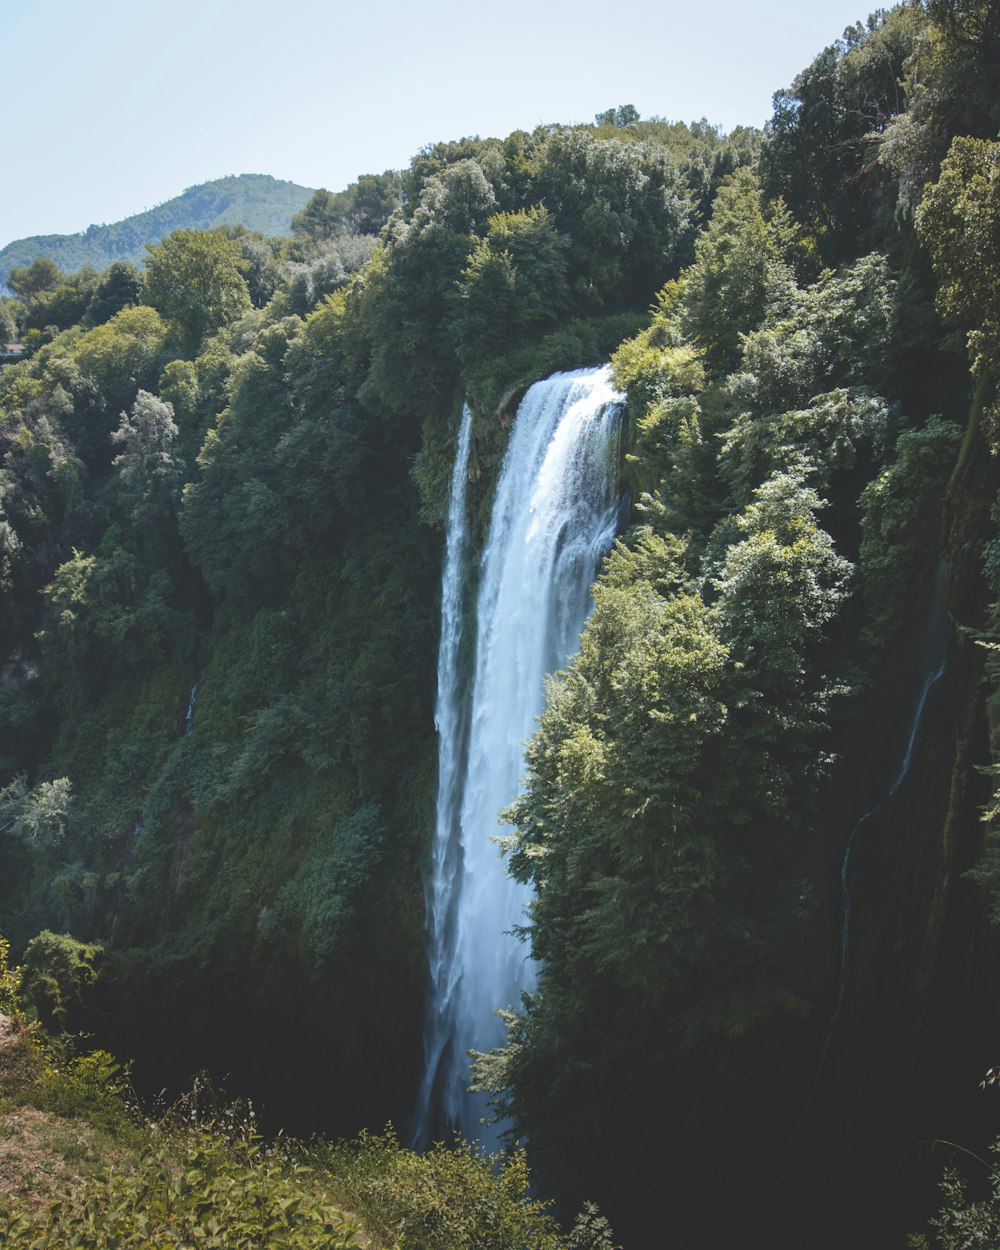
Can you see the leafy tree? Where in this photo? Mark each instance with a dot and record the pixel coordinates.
(778, 587)
(274, 478)
(624, 115)
(103, 371)
(829, 432)
(195, 279)
(901, 523)
(624, 209)
(737, 276)
(36, 817)
(119, 287)
(119, 356)
(514, 284)
(965, 1221)
(263, 258)
(409, 290)
(957, 221)
(667, 786)
(822, 140)
(373, 200)
(326, 268)
(10, 320)
(61, 305)
(322, 217)
(41, 275)
(149, 473)
(950, 85)
(804, 385)
(105, 616)
(56, 974)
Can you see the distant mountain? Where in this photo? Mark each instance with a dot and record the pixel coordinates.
(256, 201)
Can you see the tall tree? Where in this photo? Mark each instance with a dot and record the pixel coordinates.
(195, 279)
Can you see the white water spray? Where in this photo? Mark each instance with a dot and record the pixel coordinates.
(554, 516)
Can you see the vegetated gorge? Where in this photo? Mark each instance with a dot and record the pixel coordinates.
(702, 425)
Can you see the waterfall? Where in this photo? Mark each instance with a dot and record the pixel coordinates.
(874, 824)
(450, 722)
(554, 515)
(934, 659)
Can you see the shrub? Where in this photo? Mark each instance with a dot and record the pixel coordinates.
(451, 1198)
(198, 1192)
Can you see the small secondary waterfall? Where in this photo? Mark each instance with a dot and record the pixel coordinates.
(451, 722)
(554, 515)
(934, 662)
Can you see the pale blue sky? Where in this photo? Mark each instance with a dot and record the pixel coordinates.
(112, 106)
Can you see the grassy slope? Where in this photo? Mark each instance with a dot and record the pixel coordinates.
(80, 1166)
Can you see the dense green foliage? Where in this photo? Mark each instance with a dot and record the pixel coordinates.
(199, 1174)
(220, 484)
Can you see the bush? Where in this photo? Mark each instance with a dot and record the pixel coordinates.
(447, 1199)
(962, 1222)
(199, 1192)
(58, 971)
(10, 981)
(92, 1087)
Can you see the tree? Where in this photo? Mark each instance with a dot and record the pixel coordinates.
(624, 115)
(822, 140)
(737, 275)
(375, 198)
(148, 472)
(950, 85)
(119, 287)
(195, 279)
(514, 284)
(625, 210)
(106, 615)
(37, 817)
(408, 292)
(41, 275)
(322, 217)
(957, 222)
(668, 787)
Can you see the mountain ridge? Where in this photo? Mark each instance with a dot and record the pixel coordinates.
(258, 201)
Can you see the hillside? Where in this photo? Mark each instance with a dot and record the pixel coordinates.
(256, 201)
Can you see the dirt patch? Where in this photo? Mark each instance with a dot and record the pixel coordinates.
(40, 1156)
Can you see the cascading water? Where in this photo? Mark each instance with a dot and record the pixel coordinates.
(554, 515)
(934, 661)
(451, 724)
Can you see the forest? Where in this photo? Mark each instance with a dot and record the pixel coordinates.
(760, 822)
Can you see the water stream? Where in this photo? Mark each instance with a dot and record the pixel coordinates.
(875, 822)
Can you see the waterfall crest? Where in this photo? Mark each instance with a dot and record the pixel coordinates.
(554, 515)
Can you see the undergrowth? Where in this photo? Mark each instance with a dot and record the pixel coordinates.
(197, 1175)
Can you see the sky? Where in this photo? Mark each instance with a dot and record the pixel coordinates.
(113, 106)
